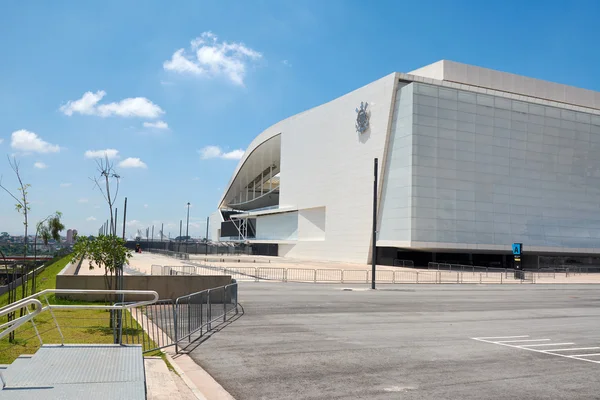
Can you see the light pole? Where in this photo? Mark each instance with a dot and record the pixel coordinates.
(179, 239)
(374, 233)
(206, 243)
(187, 227)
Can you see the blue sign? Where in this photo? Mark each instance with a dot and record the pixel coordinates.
(517, 248)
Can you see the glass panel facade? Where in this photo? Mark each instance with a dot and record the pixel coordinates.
(492, 171)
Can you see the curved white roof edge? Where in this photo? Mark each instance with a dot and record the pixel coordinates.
(265, 136)
(271, 132)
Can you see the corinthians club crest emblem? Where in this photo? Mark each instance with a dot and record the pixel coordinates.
(362, 118)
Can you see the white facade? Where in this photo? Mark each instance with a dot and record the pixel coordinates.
(471, 160)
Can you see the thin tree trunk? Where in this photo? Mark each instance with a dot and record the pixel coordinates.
(34, 262)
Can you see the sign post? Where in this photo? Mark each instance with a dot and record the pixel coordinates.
(517, 250)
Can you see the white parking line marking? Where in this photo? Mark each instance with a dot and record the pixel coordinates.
(503, 337)
(546, 344)
(549, 352)
(586, 355)
(577, 348)
(522, 340)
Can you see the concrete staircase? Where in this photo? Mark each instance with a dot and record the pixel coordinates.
(90, 372)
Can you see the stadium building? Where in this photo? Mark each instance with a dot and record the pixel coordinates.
(471, 160)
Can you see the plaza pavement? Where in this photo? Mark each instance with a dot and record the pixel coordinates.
(142, 264)
(501, 342)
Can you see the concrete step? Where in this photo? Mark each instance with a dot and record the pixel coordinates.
(77, 371)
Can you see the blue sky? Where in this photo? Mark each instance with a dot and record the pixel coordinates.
(79, 77)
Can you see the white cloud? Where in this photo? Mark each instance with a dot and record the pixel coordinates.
(216, 152)
(156, 125)
(132, 162)
(213, 58)
(286, 63)
(97, 207)
(145, 205)
(108, 153)
(83, 200)
(180, 63)
(86, 105)
(26, 141)
(40, 165)
(90, 219)
(133, 222)
(1, 140)
(129, 107)
(195, 178)
(64, 185)
(233, 155)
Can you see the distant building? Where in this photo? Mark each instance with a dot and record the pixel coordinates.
(71, 235)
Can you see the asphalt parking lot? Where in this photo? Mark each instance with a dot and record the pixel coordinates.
(311, 341)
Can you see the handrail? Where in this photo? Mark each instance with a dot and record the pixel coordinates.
(33, 299)
(90, 291)
(15, 323)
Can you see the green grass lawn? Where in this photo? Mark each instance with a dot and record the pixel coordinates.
(81, 326)
(44, 280)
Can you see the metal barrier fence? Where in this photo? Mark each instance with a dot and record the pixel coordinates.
(539, 273)
(169, 253)
(155, 320)
(154, 324)
(197, 312)
(195, 248)
(466, 268)
(383, 276)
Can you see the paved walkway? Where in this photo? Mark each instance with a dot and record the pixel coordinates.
(139, 263)
(298, 341)
(228, 261)
(142, 264)
(163, 384)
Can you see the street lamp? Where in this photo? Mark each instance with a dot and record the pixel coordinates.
(187, 226)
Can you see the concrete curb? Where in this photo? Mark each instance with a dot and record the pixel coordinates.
(202, 385)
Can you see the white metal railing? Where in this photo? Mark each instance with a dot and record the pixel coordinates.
(10, 326)
(323, 275)
(34, 299)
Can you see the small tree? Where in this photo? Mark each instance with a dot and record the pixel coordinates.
(22, 207)
(48, 228)
(107, 173)
(108, 252)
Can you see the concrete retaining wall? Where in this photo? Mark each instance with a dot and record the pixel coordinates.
(167, 287)
(71, 268)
